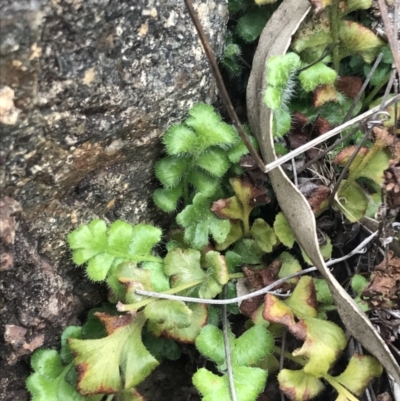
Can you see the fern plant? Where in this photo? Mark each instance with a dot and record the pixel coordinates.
(104, 249)
(199, 152)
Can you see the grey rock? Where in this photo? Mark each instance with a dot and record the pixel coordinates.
(86, 90)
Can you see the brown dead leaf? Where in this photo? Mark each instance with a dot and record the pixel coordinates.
(384, 288)
(258, 278)
(319, 199)
(391, 185)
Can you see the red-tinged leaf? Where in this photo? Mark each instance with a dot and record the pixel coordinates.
(322, 338)
(277, 312)
(114, 323)
(239, 207)
(320, 5)
(344, 155)
(248, 194)
(349, 86)
(322, 126)
(370, 163)
(230, 208)
(298, 385)
(324, 94)
(382, 137)
(303, 300)
(297, 139)
(299, 120)
(359, 372)
(249, 307)
(259, 278)
(133, 278)
(118, 361)
(357, 39)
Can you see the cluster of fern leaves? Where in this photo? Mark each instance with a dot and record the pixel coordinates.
(215, 236)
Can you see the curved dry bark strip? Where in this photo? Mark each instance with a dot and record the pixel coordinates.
(275, 40)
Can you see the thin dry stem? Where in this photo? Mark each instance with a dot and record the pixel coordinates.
(329, 134)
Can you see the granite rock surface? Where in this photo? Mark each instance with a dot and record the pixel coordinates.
(86, 90)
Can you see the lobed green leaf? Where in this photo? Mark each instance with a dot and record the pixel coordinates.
(204, 183)
(104, 249)
(209, 127)
(282, 121)
(183, 266)
(289, 266)
(167, 198)
(51, 380)
(280, 69)
(359, 373)
(283, 230)
(47, 363)
(249, 251)
(210, 343)
(252, 346)
(69, 332)
(170, 170)
(249, 383)
(199, 222)
(179, 139)
(264, 235)
(183, 334)
(169, 313)
(318, 74)
(251, 24)
(214, 161)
